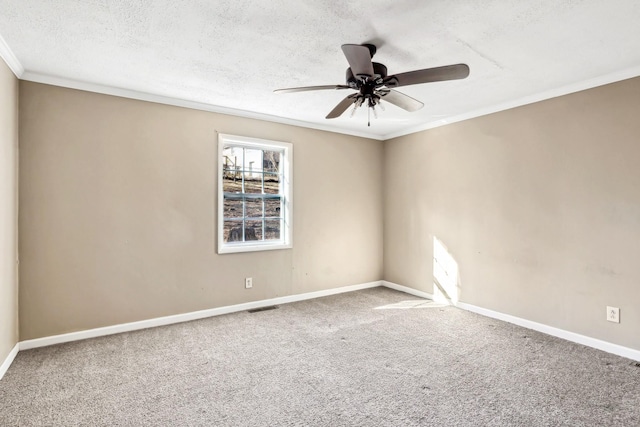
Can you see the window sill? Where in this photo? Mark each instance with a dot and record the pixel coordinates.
(232, 249)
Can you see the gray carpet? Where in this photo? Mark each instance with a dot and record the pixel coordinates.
(334, 361)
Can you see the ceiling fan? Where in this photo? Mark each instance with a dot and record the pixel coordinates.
(373, 84)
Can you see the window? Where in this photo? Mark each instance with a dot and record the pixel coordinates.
(254, 194)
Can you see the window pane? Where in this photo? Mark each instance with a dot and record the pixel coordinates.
(232, 158)
(272, 207)
(232, 208)
(272, 229)
(254, 208)
(252, 160)
(271, 162)
(253, 230)
(232, 182)
(253, 183)
(233, 231)
(271, 183)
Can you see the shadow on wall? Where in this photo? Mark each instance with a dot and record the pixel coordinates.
(446, 279)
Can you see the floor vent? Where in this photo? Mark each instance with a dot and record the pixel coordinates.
(256, 310)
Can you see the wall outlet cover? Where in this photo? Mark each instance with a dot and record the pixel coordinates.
(613, 314)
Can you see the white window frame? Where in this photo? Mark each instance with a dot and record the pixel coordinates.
(286, 187)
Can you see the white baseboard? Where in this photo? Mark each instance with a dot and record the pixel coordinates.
(9, 360)
(540, 327)
(556, 332)
(407, 290)
(186, 317)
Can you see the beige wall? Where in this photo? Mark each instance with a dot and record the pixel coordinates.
(8, 210)
(539, 206)
(118, 212)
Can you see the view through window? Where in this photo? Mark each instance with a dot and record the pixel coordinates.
(255, 200)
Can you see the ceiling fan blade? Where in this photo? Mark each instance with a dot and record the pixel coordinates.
(342, 106)
(359, 58)
(401, 100)
(428, 75)
(309, 88)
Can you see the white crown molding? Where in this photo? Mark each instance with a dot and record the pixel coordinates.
(143, 96)
(530, 99)
(9, 360)
(12, 62)
(186, 317)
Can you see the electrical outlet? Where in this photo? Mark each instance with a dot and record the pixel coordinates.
(248, 282)
(613, 314)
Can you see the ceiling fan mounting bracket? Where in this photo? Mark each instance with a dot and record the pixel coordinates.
(372, 48)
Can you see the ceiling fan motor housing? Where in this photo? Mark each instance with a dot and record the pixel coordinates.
(379, 70)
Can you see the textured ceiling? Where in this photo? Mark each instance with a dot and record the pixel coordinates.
(231, 54)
